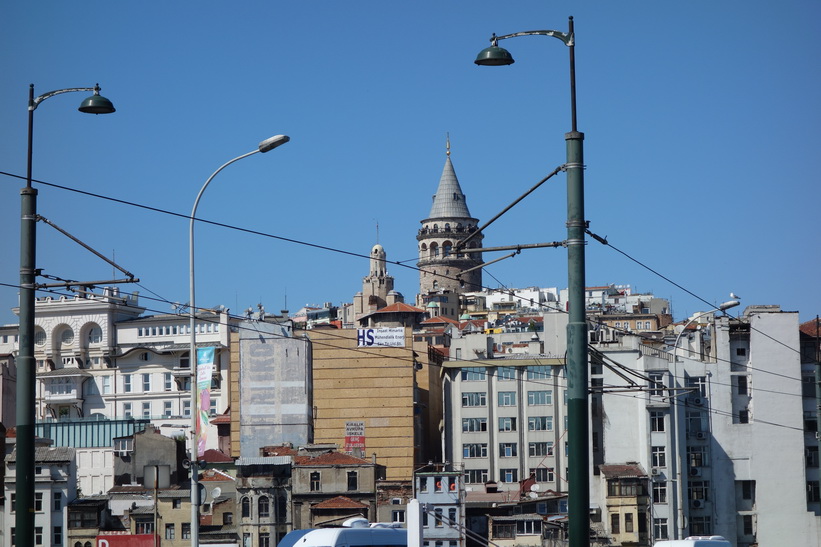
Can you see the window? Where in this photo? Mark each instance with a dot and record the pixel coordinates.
(474, 450)
(540, 449)
(614, 524)
(741, 384)
(504, 530)
(57, 535)
(168, 381)
(40, 337)
(398, 515)
(538, 372)
(698, 490)
(246, 507)
(540, 397)
(701, 526)
(697, 456)
(507, 450)
(507, 398)
(38, 501)
(506, 373)
(144, 526)
(698, 383)
(146, 410)
(264, 539)
(124, 445)
(185, 528)
(478, 398)
(542, 474)
(176, 503)
(169, 531)
(811, 456)
(748, 490)
(353, 480)
(528, 527)
(507, 424)
(473, 374)
(186, 408)
(656, 420)
(471, 425)
(127, 383)
(476, 476)
(658, 456)
(509, 475)
(166, 409)
(146, 383)
(439, 485)
(747, 525)
(106, 385)
(438, 517)
(656, 383)
(227, 518)
(813, 491)
(660, 492)
(744, 416)
(315, 482)
(246, 539)
(263, 507)
(452, 515)
(540, 423)
(57, 501)
(628, 523)
(660, 528)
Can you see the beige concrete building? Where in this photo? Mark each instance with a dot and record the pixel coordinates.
(375, 399)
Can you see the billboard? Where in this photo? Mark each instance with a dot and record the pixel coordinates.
(388, 337)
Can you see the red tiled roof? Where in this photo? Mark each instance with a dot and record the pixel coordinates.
(215, 475)
(399, 307)
(628, 470)
(439, 319)
(215, 456)
(278, 451)
(340, 502)
(810, 328)
(222, 419)
(331, 458)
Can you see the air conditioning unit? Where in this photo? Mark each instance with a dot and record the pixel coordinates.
(701, 435)
(695, 472)
(655, 472)
(697, 504)
(696, 401)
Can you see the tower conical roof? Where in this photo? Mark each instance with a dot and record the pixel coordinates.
(449, 201)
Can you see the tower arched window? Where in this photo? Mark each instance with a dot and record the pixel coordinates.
(435, 228)
(446, 247)
(434, 250)
(447, 226)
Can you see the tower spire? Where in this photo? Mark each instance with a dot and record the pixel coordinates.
(447, 145)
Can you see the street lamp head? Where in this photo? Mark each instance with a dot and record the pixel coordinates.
(729, 304)
(97, 104)
(271, 143)
(494, 56)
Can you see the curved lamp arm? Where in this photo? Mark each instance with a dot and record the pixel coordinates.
(565, 37)
(723, 307)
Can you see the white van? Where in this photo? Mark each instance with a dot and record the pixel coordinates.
(694, 541)
(354, 537)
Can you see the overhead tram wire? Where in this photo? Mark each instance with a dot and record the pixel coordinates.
(602, 240)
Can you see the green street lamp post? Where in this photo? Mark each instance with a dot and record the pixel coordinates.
(26, 367)
(577, 366)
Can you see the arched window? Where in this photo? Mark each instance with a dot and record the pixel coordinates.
(447, 226)
(95, 335)
(246, 507)
(264, 507)
(446, 247)
(434, 250)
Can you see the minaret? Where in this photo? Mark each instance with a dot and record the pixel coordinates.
(377, 286)
(449, 221)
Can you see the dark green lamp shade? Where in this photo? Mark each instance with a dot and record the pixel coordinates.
(494, 56)
(96, 104)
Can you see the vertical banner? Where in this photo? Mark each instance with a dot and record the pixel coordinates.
(205, 369)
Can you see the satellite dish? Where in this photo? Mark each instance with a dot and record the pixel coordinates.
(535, 487)
(533, 495)
(215, 493)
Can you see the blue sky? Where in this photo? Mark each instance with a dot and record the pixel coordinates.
(702, 135)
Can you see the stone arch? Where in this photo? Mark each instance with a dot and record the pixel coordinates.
(446, 248)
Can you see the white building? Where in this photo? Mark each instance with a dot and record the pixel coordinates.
(716, 442)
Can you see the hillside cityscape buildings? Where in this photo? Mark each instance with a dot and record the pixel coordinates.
(704, 426)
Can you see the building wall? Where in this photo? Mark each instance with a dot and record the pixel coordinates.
(274, 400)
(374, 385)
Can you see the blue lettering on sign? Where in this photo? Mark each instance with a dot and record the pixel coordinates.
(365, 337)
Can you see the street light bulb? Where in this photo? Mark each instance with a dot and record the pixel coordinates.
(271, 143)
